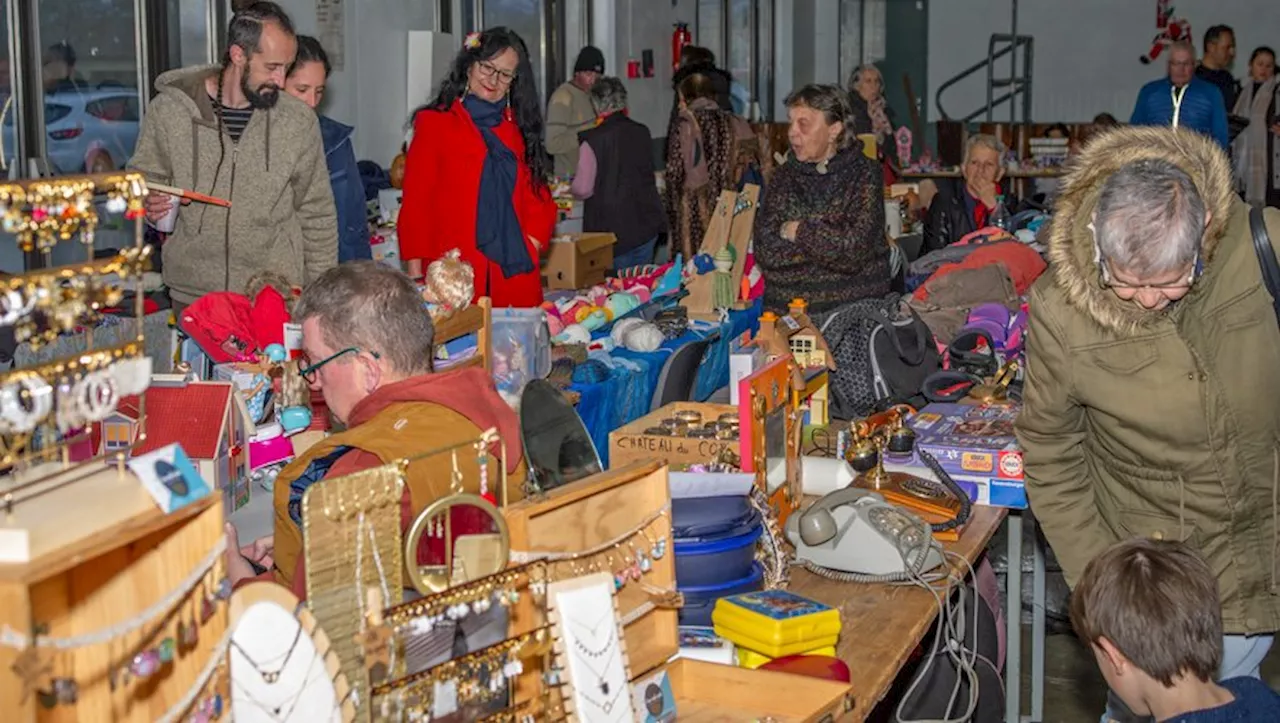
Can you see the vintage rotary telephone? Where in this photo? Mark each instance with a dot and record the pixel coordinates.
(942, 504)
(855, 536)
(995, 388)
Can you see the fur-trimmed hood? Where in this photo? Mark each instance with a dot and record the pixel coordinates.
(1071, 244)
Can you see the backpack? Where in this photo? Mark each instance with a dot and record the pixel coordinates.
(883, 353)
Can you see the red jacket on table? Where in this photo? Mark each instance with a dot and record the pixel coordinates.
(441, 190)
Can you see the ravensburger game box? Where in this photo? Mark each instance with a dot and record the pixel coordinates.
(975, 444)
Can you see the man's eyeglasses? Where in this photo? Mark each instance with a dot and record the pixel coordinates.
(309, 370)
(489, 70)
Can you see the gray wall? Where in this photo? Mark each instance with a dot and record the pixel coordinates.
(1086, 51)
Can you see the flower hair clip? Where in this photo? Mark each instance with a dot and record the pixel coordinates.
(472, 41)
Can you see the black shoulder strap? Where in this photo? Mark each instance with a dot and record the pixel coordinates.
(1266, 257)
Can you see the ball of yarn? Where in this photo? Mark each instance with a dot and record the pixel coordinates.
(574, 334)
(645, 337)
(592, 371)
(554, 325)
(622, 327)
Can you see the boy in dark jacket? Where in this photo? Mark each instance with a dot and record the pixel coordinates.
(1150, 611)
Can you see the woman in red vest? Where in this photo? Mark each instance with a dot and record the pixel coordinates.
(475, 176)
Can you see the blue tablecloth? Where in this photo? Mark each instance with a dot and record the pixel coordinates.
(625, 395)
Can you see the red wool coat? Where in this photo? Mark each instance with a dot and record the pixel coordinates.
(441, 189)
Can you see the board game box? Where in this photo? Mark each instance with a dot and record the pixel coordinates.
(969, 440)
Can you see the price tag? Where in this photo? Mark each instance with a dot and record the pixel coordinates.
(170, 477)
(293, 339)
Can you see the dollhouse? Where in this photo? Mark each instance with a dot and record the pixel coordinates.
(208, 419)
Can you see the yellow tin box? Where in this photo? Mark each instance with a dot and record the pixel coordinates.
(776, 623)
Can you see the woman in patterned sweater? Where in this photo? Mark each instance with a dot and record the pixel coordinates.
(819, 232)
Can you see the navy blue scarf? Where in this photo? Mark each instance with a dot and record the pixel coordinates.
(498, 234)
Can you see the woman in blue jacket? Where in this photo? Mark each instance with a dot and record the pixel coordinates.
(306, 82)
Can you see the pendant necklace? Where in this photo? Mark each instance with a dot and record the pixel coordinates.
(274, 713)
(609, 648)
(271, 676)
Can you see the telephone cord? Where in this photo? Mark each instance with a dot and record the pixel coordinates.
(951, 622)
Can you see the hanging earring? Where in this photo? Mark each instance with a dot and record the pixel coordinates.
(507, 113)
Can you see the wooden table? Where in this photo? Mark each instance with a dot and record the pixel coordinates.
(882, 624)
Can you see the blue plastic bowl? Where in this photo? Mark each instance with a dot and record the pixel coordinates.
(699, 602)
(717, 560)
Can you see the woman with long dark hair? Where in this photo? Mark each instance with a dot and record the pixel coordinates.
(475, 176)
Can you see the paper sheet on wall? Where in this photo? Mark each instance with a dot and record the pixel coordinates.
(330, 29)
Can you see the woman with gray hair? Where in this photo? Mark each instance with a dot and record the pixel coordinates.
(964, 205)
(616, 178)
(819, 232)
(1150, 407)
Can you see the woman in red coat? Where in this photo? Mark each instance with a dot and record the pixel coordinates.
(475, 177)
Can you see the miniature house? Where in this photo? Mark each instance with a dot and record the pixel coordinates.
(808, 349)
(208, 419)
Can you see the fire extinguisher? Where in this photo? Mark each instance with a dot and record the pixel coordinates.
(680, 38)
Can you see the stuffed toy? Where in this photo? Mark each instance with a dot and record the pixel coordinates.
(1169, 30)
(448, 286)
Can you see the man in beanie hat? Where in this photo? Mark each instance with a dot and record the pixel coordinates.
(570, 112)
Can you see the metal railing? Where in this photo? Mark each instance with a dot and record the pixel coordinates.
(1018, 84)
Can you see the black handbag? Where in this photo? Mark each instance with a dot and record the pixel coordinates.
(1266, 257)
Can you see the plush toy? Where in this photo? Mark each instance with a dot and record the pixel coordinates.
(573, 334)
(1169, 30)
(671, 278)
(621, 302)
(263, 279)
(593, 317)
(620, 329)
(448, 286)
(644, 336)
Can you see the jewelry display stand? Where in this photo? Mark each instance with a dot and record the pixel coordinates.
(616, 522)
(110, 609)
(591, 649)
(589, 527)
(351, 528)
(282, 667)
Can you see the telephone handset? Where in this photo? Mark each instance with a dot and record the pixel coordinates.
(853, 534)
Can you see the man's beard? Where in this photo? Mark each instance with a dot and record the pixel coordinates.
(264, 97)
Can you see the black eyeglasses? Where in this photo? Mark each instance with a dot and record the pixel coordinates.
(489, 70)
(308, 370)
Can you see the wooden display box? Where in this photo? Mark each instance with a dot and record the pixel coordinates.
(102, 553)
(713, 693)
(629, 443)
(600, 508)
(579, 263)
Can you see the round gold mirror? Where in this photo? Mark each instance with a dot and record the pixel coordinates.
(453, 540)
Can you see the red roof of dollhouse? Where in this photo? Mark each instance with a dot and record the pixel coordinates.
(192, 416)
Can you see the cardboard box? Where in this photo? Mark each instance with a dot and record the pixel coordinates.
(970, 440)
(629, 443)
(981, 490)
(579, 262)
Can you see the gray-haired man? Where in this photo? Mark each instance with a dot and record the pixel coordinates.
(1152, 406)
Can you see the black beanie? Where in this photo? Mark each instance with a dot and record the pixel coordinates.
(589, 59)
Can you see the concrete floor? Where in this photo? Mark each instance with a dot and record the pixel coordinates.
(1074, 690)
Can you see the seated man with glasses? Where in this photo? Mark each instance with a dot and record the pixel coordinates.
(1152, 402)
(368, 344)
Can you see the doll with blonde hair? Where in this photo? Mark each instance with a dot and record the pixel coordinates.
(448, 286)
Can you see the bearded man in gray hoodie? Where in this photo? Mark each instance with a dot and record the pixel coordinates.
(229, 131)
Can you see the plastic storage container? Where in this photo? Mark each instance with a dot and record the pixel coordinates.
(521, 349)
(724, 552)
(700, 601)
(776, 623)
